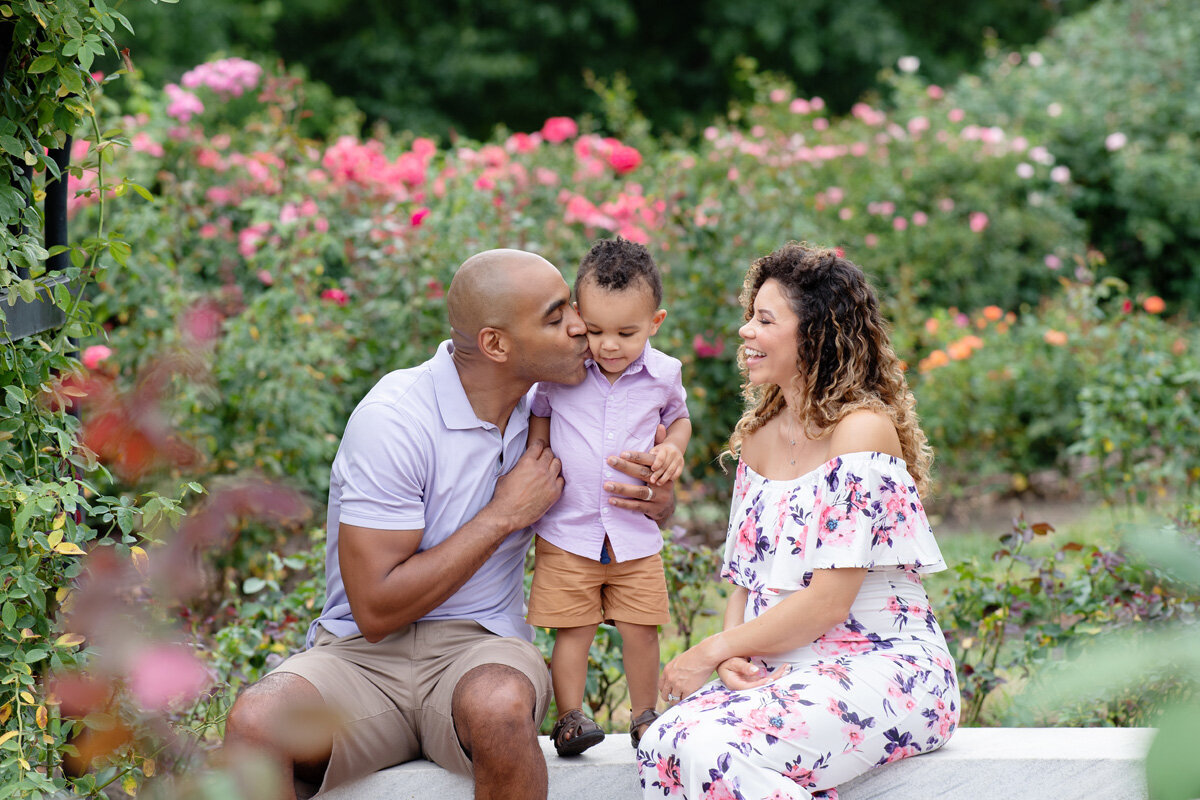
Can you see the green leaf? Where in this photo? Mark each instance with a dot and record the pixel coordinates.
(43, 63)
(8, 615)
(253, 585)
(15, 397)
(11, 145)
(1172, 769)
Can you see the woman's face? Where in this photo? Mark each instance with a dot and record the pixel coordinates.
(770, 338)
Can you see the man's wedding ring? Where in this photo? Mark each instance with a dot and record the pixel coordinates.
(649, 493)
(671, 698)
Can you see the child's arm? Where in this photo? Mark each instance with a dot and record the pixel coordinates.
(668, 456)
(539, 428)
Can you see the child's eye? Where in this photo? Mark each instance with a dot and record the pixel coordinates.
(625, 335)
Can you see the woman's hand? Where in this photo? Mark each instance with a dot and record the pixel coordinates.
(738, 673)
(689, 670)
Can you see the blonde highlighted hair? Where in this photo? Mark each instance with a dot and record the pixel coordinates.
(844, 356)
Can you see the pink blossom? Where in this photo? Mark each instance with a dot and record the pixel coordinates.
(521, 143)
(918, 125)
(624, 159)
(434, 289)
(166, 675)
(251, 237)
(955, 115)
(935, 92)
(820, 124)
(845, 213)
(733, 174)
(1115, 141)
(321, 225)
(817, 104)
(96, 354)
(335, 296)
(182, 104)
(946, 204)
(779, 95)
(545, 176)
(208, 231)
(202, 322)
(870, 240)
(920, 218)
(900, 223)
(227, 77)
(265, 278)
(1060, 174)
(141, 142)
(800, 106)
(978, 221)
(1052, 261)
(424, 147)
(559, 129)
(706, 349)
(418, 217)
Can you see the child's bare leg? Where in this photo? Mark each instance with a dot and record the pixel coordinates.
(640, 654)
(568, 666)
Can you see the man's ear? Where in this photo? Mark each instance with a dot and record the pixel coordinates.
(494, 344)
(657, 320)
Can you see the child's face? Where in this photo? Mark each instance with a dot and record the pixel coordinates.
(618, 323)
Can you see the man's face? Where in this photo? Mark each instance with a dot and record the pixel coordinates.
(549, 338)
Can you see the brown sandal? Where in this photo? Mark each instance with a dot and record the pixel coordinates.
(574, 733)
(642, 721)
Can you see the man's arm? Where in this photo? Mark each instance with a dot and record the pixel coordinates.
(390, 585)
(661, 503)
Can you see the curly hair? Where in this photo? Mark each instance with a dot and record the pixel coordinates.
(616, 263)
(844, 356)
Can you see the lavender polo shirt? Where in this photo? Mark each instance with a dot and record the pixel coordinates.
(590, 422)
(415, 456)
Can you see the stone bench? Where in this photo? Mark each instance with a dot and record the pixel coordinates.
(977, 764)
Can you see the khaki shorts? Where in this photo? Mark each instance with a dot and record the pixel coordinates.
(394, 696)
(570, 590)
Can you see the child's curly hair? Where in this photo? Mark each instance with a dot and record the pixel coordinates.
(615, 264)
(844, 356)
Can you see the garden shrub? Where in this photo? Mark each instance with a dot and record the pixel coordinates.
(1114, 96)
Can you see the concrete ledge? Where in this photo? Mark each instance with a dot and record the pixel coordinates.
(977, 764)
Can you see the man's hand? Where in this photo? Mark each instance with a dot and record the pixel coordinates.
(656, 502)
(533, 485)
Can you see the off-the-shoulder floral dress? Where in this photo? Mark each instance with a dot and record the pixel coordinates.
(876, 688)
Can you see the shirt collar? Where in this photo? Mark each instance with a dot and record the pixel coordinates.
(643, 361)
(451, 397)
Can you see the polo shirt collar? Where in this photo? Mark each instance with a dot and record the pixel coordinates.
(451, 397)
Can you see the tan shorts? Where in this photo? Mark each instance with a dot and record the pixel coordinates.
(570, 590)
(394, 696)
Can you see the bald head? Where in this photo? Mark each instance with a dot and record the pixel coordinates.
(487, 290)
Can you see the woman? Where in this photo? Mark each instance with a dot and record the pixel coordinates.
(830, 661)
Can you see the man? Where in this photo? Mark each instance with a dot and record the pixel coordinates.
(421, 649)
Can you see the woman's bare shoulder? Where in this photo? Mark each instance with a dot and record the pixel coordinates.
(865, 430)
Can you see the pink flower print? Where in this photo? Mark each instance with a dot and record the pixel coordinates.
(747, 536)
(778, 721)
(719, 790)
(893, 605)
(855, 496)
(668, 775)
(840, 640)
(801, 776)
(778, 795)
(833, 528)
(853, 736)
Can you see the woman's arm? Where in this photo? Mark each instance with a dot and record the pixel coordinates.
(796, 621)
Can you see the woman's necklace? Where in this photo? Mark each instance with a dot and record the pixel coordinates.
(791, 435)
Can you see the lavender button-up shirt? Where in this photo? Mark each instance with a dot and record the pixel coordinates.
(590, 422)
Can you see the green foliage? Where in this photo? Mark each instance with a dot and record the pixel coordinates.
(1088, 384)
(1115, 96)
(1042, 600)
(466, 65)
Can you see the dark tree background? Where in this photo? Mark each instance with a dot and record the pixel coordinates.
(470, 64)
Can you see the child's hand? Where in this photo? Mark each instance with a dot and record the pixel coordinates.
(668, 463)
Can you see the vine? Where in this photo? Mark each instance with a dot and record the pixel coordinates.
(51, 513)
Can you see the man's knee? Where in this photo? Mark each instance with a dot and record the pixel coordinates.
(273, 711)
(494, 702)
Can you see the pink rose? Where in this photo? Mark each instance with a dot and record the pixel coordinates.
(335, 296)
(624, 159)
(559, 129)
(166, 675)
(95, 355)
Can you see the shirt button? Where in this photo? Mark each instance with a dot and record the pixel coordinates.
(604, 510)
